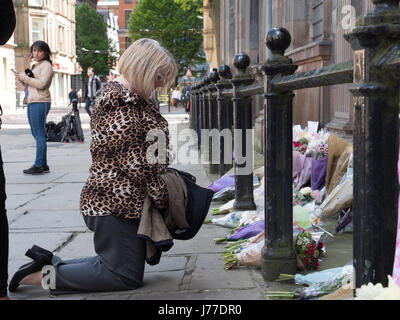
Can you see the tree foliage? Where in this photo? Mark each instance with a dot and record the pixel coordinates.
(176, 24)
(93, 47)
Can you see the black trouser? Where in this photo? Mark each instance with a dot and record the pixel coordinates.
(3, 233)
(88, 103)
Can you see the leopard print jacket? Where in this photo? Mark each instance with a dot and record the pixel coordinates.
(123, 172)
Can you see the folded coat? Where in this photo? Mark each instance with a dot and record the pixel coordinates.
(155, 225)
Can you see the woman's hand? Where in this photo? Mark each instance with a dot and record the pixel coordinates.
(18, 76)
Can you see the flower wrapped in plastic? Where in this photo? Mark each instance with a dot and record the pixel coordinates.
(300, 145)
(244, 252)
(318, 283)
(244, 232)
(302, 196)
(308, 250)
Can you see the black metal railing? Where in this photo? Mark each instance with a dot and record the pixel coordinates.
(375, 74)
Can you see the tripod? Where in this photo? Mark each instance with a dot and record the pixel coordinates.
(72, 130)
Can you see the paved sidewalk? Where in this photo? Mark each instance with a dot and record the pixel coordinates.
(44, 210)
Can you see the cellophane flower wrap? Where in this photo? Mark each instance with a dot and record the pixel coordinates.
(302, 196)
(308, 250)
(300, 145)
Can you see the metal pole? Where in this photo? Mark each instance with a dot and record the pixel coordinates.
(278, 254)
(213, 122)
(375, 41)
(243, 137)
(224, 120)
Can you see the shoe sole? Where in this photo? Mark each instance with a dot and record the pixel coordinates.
(38, 173)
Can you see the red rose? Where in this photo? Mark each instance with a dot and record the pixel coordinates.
(320, 245)
(307, 252)
(315, 264)
(306, 261)
(309, 246)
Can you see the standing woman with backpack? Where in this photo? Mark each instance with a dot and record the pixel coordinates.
(38, 81)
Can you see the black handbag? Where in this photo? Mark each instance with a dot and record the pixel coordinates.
(198, 204)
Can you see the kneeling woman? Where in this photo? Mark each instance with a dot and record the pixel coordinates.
(120, 178)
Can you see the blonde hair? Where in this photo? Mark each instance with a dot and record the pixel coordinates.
(142, 62)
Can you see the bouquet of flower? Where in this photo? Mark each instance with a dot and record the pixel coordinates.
(317, 149)
(302, 196)
(308, 250)
(300, 145)
(245, 252)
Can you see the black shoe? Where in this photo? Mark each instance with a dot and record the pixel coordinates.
(46, 168)
(36, 256)
(36, 252)
(34, 170)
(24, 271)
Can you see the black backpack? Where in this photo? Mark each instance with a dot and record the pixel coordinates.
(53, 131)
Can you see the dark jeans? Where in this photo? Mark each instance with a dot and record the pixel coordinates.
(88, 103)
(3, 233)
(37, 113)
(119, 265)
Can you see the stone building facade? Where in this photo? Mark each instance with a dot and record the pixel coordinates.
(317, 28)
(122, 9)
(8, 88)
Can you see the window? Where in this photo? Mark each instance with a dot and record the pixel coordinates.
(128, 1)
(61, 40)
(37, 29)
(127, 14)
(35, 3)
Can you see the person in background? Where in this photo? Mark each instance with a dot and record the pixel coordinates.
(186, 96)
(7, 26)
(39, 101)
(72, 95)
(176, 97)
(121, 178)
(91, 89)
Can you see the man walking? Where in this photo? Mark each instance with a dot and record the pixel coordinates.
(91, 89)
(186, 96)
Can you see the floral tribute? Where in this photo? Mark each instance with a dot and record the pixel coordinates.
(308, 250)
(300, 145)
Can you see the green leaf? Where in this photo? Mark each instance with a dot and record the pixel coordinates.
(175, 24)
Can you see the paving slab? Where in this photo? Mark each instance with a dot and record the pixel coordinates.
(19, 242)
(81, 246)
(54, 202)
(47, 221)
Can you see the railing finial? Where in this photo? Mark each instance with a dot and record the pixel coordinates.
(278, 40)
(241, 61)
(225, 72)
(214, 77)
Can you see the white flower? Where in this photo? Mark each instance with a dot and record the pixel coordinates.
(378, 292)
(305, 191)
